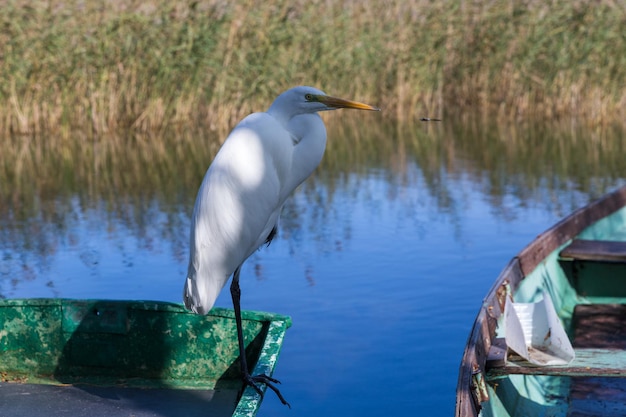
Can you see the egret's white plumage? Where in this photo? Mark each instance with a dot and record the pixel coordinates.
(265, 157)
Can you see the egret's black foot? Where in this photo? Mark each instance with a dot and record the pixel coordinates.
(253, 381)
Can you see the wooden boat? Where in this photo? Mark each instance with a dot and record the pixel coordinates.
(580, 264)
(61, 357)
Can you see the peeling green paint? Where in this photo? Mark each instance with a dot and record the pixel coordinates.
(135, 344)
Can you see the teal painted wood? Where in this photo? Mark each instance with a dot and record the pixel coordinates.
(144, 344)
(251, 401)
(596, 281)
(528, 395)
(591, 362)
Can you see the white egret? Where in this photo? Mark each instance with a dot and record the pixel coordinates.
(265, 157)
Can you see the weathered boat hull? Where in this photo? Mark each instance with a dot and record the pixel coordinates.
(580, 263)
(130, 358)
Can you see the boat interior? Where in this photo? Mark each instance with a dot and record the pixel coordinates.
(586, 280)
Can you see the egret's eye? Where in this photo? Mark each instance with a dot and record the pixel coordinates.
(308, 97)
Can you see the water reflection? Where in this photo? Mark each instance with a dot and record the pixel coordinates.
(57, 193)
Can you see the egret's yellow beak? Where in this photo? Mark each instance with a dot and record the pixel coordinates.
(339, 103)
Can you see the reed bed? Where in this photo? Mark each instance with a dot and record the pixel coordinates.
(148, 66)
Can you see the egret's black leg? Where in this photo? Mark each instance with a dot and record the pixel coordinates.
(235, 293)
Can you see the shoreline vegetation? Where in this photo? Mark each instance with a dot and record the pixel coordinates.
(151, 66)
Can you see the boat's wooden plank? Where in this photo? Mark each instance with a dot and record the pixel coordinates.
(591, 397)
(600, 326)
(588, 362)
(595, 250)
(568, 228)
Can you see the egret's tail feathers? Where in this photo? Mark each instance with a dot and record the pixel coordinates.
(196, 299)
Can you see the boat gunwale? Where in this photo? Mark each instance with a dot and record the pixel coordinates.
(483, 330)
(164, 306)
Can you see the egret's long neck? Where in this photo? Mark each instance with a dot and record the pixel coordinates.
(309, 135)
(281, 112)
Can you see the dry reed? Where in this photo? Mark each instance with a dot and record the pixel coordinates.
(105, 66)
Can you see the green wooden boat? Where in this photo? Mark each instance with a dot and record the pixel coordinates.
(580, 266)
(61, 357)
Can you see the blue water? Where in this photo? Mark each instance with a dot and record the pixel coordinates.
(383, 273)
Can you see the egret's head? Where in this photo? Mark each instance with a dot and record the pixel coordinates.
(332, 103)
(299, 100)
